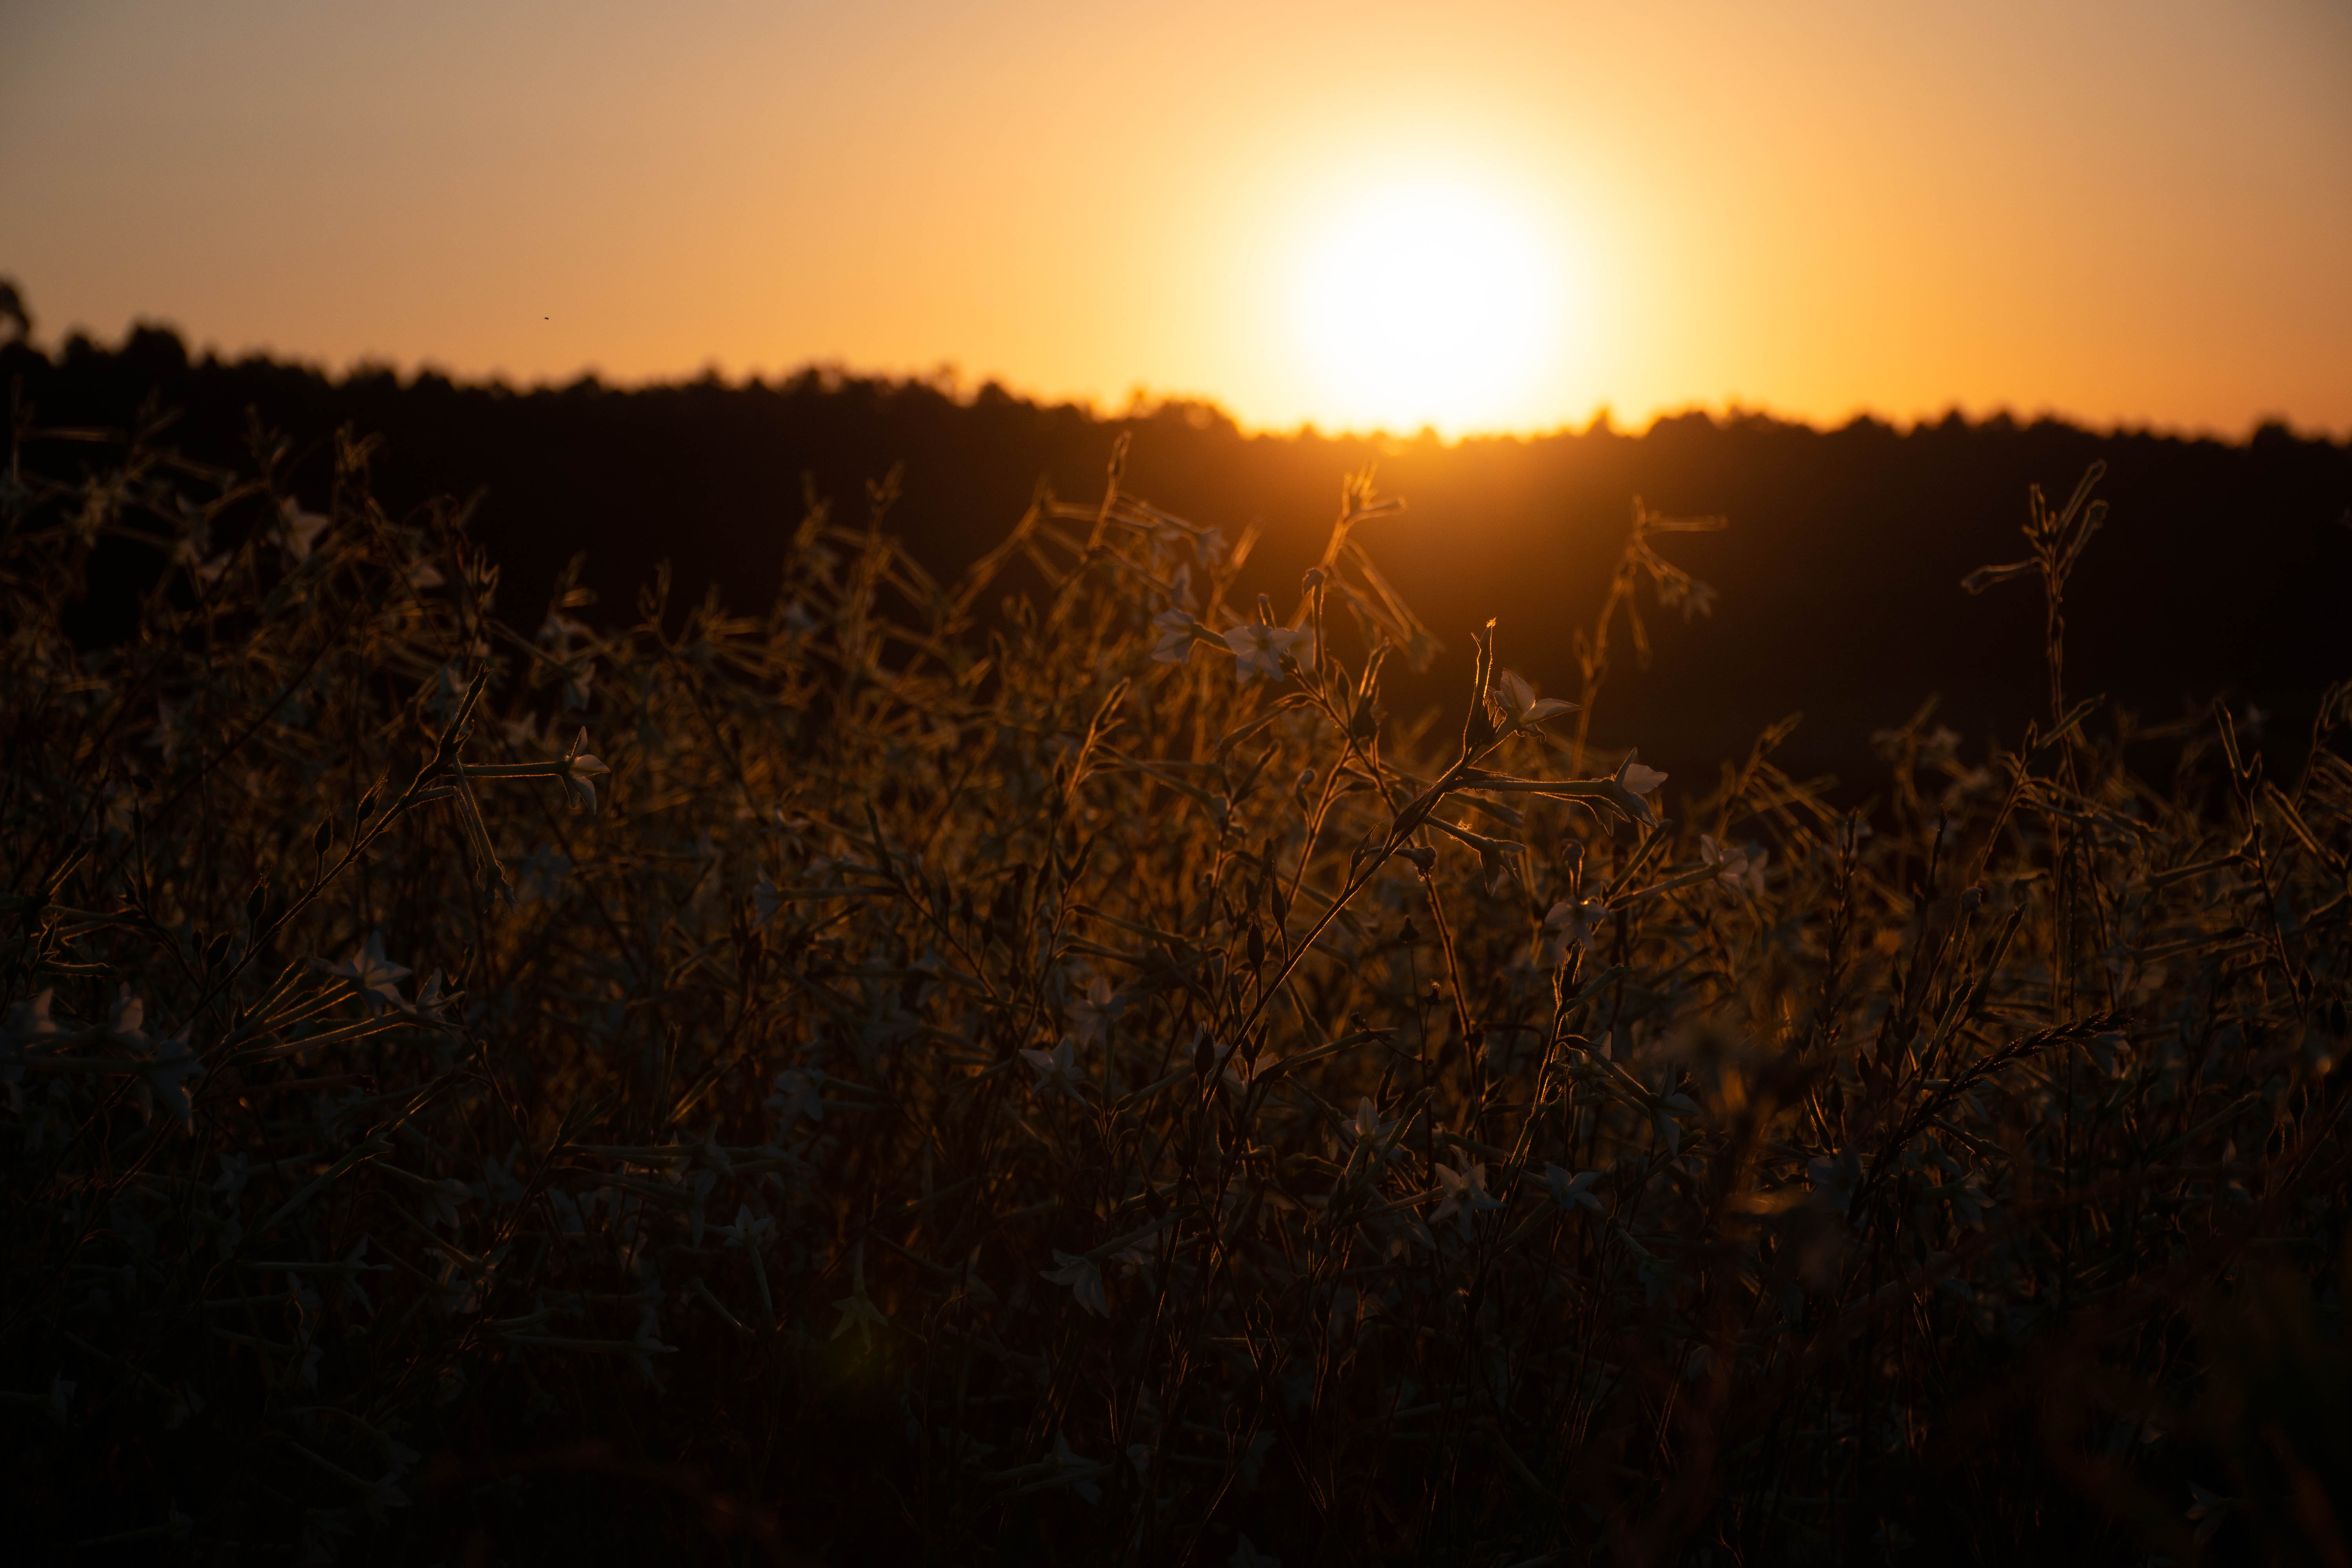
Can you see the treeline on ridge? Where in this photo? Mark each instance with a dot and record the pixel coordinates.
(2221, 572)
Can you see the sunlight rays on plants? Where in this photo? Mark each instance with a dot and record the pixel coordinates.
(950, 1070)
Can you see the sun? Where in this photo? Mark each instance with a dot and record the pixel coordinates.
(1435, 302)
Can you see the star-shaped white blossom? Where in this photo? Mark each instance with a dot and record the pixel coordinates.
(1091, 1014)
(168, 1075)
(1568, 922)
(1177, 631)
(858, 1309)
(1738, 868)
(1466, 1193)
(377, 977)
(746, 1229)
(578, 769)
(1258, 649)
(1572, 1191)
(1630, 786)
(797, 1095)
(299, 530)
(125, 1019)
(1056, 1069)
(1084, 1278)
(1519, 707)
(29, 1021)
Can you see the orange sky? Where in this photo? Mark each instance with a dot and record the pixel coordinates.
(2137, 213)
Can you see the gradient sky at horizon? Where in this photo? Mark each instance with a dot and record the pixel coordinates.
(2136, 213)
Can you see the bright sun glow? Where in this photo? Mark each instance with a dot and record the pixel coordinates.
(1433, 303)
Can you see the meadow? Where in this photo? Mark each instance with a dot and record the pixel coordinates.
(1041, 1065)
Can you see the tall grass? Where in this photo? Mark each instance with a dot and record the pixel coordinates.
(940, 1072)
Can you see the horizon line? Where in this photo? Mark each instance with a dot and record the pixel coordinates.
(951, 381)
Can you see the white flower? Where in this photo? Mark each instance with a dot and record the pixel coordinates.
(441, 1201)
(1519, 706)
(430, 1001)
(377, 977)
(179, 1405)
(579, 674)
(385, 1493)
(1238, 1073)
(797, 1096)
(1466, 1193)
(1058, 1067)
(30, 1021)
(1940, 744)
(558, 630)
(25, 1021)
(1084, 1280)
(1258, 649)
(1969, 1201)
(1246, 1555)
(1631, 783)
(887, 1026)
(1178, 632)
(1834, 1177)
(699, 1183)
(1739, 867)
(194, 545)
(1138, 1254)
(1366, 1124)
(234, 1174)
(1565, 922)
(174, 1068)
(567, 1211)
(1090, 1017)
(578, 769)
(858, 1309)
(1668, 1115)
(1572, 1192)
(2210, 1510)
(499, 1183)
(124, 1017)
(456, 1292)
(166, 736)
(299, 529)
(1498, 862)
(749, 1227)
(1064, 1459)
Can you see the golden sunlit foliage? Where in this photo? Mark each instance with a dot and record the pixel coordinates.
(944, 1071)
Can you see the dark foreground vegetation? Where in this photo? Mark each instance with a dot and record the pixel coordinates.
(926, 1072)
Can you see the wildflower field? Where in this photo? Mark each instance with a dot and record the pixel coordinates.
(1045, 1069)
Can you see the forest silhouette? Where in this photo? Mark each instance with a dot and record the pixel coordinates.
(2220, 574)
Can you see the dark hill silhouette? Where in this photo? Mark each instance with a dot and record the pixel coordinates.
(2224, 568)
